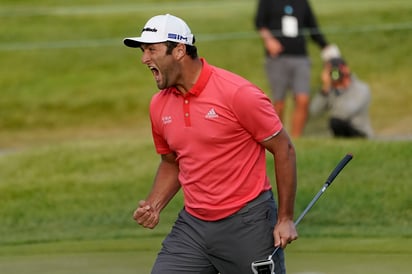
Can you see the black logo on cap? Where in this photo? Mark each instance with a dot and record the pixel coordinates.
(149, 29)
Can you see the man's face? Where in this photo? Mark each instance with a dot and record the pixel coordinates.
(161, 64)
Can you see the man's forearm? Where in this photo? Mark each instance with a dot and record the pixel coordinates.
(265, 33)
(165, 186)
(286, 178)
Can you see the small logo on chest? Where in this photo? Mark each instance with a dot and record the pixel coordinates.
(211, 114)
(166, 119)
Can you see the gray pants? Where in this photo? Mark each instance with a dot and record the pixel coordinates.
(288, 73)
(226, 246)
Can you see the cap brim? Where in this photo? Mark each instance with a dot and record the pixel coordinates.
(132, 42)
(135, 42)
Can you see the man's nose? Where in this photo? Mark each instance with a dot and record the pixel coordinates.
(145, 58)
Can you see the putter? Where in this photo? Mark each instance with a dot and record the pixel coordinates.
(267, 266)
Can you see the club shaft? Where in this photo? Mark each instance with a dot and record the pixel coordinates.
(310, 205)
(329, 181)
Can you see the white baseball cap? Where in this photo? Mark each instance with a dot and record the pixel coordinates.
(162, 28)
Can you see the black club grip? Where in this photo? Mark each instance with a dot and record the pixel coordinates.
(338, 168)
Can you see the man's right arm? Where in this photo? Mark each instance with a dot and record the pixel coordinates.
(272, 45)
(284, 155)
(166, 185)
(319, 102)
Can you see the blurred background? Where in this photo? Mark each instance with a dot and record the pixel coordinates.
(66, 73)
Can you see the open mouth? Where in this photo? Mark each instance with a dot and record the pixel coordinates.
(156, 73)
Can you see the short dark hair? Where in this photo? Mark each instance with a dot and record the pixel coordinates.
(190, 50)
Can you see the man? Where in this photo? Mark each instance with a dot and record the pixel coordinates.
(280, 24)
(211, 128)
(346, 97)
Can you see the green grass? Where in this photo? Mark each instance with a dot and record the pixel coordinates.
(313, 256)
(67, 208)
(76, 153)
(64, 67)
(88, 190)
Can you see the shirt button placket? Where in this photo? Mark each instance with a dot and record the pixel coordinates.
(186, 111)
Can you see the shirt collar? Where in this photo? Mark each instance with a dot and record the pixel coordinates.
(201, 82)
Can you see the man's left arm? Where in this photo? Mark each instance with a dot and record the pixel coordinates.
(284, 154)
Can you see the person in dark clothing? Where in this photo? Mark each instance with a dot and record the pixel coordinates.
(282, 25)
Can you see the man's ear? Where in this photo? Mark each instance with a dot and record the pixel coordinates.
(180, 51)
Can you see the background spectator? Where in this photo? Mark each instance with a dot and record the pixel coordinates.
(347, 99)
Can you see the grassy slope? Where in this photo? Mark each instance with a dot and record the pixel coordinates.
(87, 190)
(67, 208)
(66, 71)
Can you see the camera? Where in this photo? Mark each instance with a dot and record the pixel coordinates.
(336, 74)
(336, 71)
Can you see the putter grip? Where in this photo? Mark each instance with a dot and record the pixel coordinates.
(338, 168)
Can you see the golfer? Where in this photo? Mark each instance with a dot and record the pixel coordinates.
(212, 129)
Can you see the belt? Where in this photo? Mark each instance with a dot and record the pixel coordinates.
(264, 196)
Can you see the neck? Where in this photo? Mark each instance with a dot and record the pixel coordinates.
(189, 74)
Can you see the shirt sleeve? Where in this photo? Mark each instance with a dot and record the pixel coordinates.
(255, 113)
(261, 19)
(159, 142)
(312, 25)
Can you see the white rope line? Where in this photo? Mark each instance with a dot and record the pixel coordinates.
(228, 36)
(112, 9)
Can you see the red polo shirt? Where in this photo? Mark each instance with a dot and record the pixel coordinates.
(215, 130)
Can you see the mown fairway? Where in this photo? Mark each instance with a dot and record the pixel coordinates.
(76, 153)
